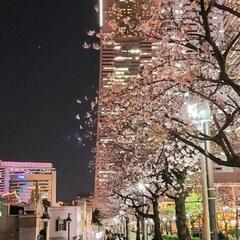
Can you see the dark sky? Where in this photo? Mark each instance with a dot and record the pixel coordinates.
(43, 70)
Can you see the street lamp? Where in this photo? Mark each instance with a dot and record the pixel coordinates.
(237, 221)
(164, 220)
(124, 215)
(142, 188)
(68, 221)
(45, 218)
(121, 219)
(200, 114)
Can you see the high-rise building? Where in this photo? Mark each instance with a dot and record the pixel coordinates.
(119, 61)
(26, 177)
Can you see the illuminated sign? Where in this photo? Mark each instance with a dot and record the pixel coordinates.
(21, 177)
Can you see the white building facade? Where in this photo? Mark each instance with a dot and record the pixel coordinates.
(59, 228)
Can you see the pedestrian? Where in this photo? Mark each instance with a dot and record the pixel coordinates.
(221, 236)
(122, 237)
(109, 236)
(118, 237)
(41, 235)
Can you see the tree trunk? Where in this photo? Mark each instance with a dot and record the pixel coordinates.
(127, 228)
(170, 228)
(142, 219)
(183, 231)
(156, 219)
(138, 228)
(192, 225)
(226, 228)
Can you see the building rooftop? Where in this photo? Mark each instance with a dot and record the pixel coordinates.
(25, 164)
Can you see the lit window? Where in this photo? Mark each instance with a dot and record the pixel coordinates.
(61, 225)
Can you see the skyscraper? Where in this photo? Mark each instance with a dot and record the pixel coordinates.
(119, 61)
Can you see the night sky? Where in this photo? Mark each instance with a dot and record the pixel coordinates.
(43, 70)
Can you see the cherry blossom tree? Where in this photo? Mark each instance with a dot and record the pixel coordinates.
(151, 138)
(195, 62)
(148, 167)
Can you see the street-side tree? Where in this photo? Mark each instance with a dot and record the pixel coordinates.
(193, 205)
(227, 203)
(161, 167)
(195, 64)
(137, 182)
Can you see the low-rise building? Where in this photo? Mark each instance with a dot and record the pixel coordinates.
(59, 227)
(15, 225)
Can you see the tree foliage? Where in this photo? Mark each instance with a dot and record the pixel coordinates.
(153, 122)
(195, 62)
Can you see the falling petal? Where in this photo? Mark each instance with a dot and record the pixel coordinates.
(86, 45)
(92, 105)
(96, 8)
(91, 32)
(96, 46)
(126, 20)
(88, 115)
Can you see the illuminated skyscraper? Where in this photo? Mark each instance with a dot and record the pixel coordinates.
(24, 177)
(119, 61)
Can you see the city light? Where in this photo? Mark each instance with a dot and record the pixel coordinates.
(101, 13)
(21, 177)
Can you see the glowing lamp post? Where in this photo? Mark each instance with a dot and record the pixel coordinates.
(45, 218)
(68, 221)
(200, 114)
(142, 188)
(126, 225)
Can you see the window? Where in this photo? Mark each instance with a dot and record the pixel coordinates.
(61, 224)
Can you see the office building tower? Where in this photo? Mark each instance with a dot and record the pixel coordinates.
(119, 61)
